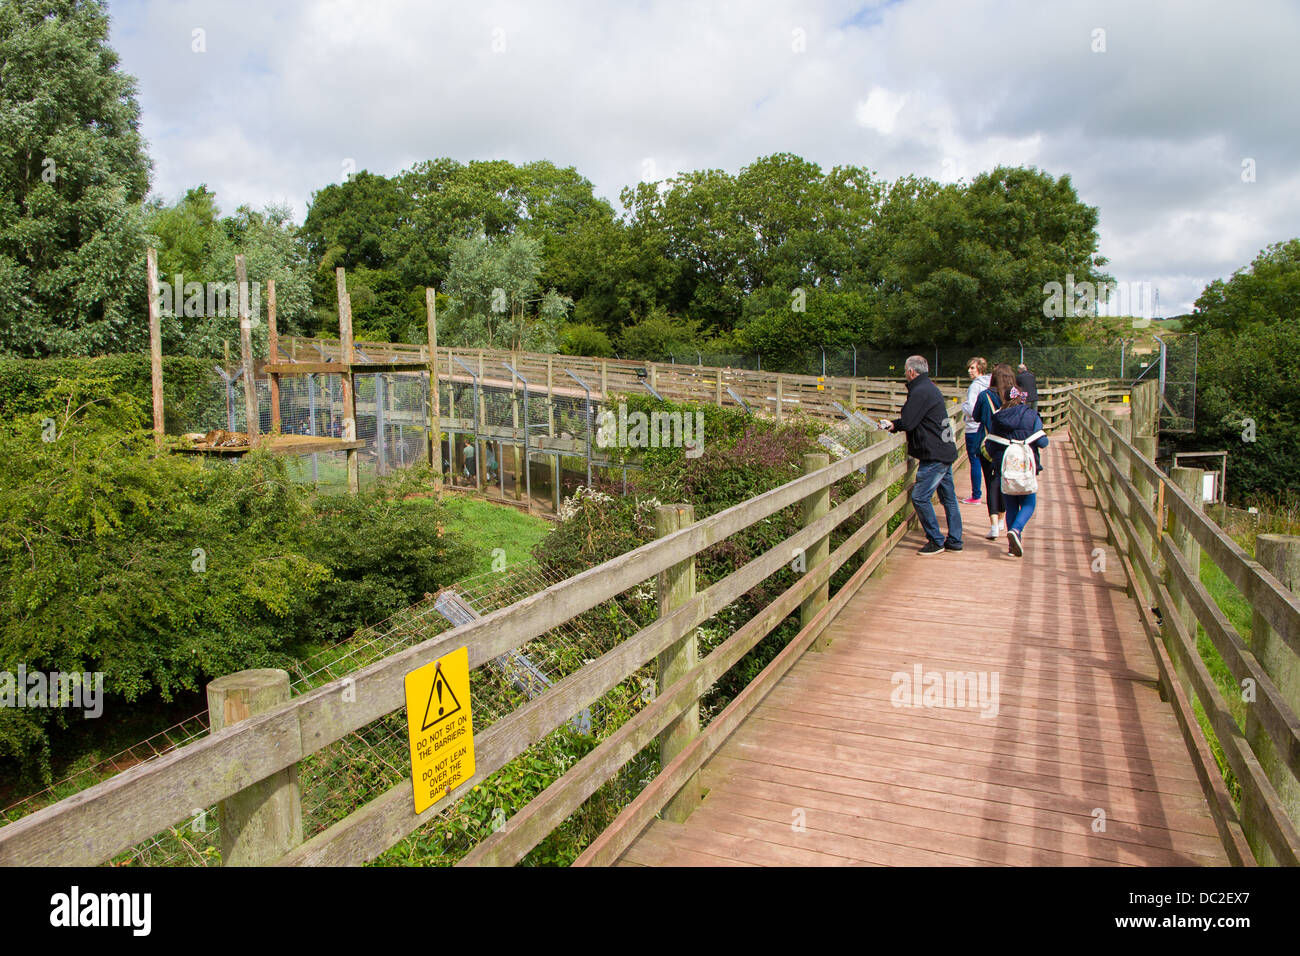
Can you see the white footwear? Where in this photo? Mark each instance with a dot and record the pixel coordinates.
(993, 533)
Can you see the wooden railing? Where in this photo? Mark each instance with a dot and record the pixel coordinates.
(1156, 524)
(768, 393)
(250, 758)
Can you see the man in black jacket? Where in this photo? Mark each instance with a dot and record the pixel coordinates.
(1026, 382)
(924, 417)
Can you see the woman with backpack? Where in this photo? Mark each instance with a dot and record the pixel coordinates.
(1015, 435)
(986, 403)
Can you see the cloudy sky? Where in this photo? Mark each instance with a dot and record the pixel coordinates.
(1177, 118)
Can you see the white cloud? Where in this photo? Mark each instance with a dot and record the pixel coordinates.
(1152, 131)
(880, 110)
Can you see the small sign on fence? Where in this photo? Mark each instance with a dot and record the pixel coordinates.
(441, 727)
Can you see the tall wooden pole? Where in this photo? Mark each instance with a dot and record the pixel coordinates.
(155, 346)
(246, 352)
(273, 348)
(349, 385)
(435, 409)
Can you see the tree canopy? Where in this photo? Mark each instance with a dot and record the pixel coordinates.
(73, 173)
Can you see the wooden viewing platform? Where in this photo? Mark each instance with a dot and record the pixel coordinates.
(1087, 750)
(828, 771)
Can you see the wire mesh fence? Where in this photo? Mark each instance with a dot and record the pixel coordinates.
(1050, 362)
(356, 769)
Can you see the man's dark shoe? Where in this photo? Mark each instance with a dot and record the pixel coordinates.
(930, 548)
(952, 546)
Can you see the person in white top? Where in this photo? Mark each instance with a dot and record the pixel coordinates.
(977, 368)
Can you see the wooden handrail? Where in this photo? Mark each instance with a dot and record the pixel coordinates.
(95, 824)
(1110, 459)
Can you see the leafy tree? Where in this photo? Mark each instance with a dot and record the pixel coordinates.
(968, 264)
(162, 573)
(496, 297)
(1248, 364)
(98, 539)
(788, 331)
(1264, 293)
(197, 245)
(72, 175)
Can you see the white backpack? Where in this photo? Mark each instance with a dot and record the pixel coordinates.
(1019, 466)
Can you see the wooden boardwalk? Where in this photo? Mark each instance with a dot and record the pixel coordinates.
(1074, 761)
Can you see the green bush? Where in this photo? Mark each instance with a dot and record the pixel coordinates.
(382, 554)
(586, 340)
(162, 572)
(191, 393)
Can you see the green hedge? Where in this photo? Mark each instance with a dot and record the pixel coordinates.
(192, 393)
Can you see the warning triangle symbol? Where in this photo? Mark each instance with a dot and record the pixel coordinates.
(442, 701)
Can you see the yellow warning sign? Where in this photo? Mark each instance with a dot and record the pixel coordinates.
(441, 727)
(1125, 399)
(821, 387)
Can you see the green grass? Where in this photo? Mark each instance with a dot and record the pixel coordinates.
(487, 526)
(1238, 611)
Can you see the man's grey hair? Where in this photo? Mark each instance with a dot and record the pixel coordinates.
(917, 364)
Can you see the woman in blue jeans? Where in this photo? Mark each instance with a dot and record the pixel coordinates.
(1016, 420)
(977, 368)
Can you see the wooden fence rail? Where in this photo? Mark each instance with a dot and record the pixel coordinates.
(108, 818)
(769, 393)
(102, 821)
(1159, 531)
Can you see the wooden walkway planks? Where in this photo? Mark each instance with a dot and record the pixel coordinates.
(828, 771)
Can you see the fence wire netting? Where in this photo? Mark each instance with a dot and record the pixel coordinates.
(350, 772)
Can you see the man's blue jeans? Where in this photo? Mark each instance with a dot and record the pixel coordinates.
(973, 456)
(932, 476)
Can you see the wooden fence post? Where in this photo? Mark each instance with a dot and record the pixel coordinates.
(1123, 473)
(815, 506)
(155, 344)
(874, 506)
(273, 354)
(1180, 536)
(676, 586)
(347, 356)
(1280, 556)
(263, 822)
(780, 399)
(246, 354)
(1146, 429)
(435, 399)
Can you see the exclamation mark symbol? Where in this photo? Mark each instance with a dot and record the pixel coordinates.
(438, 686)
